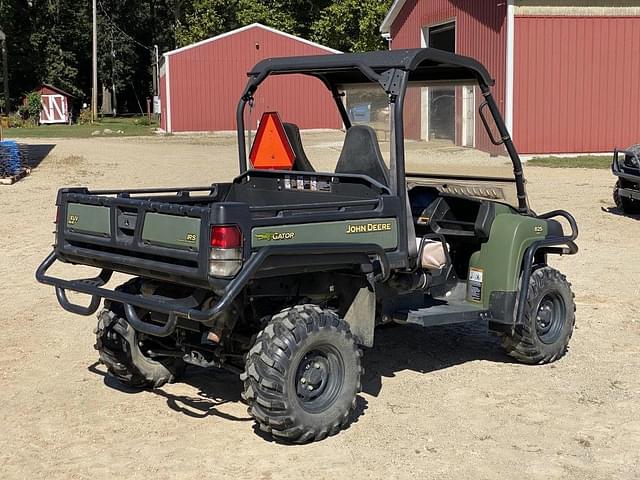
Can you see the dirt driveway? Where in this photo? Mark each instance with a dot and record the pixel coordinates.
(439, 403)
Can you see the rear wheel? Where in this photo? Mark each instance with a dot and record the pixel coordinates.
(625, 204)
(119, 346)
(303, 374)
(548, 321)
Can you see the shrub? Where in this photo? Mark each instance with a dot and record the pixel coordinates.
(34, 106)
(85, 116)
(23, 111)
(16, 120)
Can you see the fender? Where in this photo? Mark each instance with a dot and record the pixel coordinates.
(501, 268)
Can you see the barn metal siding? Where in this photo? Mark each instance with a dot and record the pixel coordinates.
(480, 33)
(206, 83)
(576, 84)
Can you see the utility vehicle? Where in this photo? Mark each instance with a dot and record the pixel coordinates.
(283, 274)
(626, 166)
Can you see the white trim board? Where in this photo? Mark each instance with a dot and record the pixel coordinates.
(248, 27)
(510, 62)
(167, 91)
(392, 14)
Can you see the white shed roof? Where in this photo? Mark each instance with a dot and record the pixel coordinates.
(248, 27)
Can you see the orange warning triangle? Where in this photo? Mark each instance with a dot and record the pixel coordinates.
(271, 149)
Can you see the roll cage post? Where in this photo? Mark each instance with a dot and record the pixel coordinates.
(505, 139)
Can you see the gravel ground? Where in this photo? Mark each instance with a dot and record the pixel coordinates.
(440, 403)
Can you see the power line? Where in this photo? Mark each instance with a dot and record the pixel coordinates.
(120, 30)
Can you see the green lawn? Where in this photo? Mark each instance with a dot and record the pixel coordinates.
(583, 161)
(120, 127)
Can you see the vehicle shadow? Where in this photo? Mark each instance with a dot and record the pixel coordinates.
(33, 155)
(425, 350)
(616, 211)
(397, 348)
(215, 388)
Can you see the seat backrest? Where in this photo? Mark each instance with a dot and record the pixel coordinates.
(361, 154)
(301, 163)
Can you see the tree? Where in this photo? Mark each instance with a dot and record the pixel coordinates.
(125, 51)
(50, 40)
(203, 19)
(15, 23)
(352, 25)
(60, 33)
(206, 18)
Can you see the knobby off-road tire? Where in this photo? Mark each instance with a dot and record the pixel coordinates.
(625, 204)
(119, 349)
(549, 319)
(302, 375)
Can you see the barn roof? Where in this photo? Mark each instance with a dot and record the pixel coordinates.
(248, 27)
(424, 64)
(57, 90)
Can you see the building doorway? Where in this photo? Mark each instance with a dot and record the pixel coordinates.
(439, 103)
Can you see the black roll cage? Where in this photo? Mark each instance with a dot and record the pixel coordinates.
(392, 70)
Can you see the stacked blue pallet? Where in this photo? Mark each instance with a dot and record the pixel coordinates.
(10, 158)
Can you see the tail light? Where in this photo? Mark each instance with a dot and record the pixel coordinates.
(225, 255)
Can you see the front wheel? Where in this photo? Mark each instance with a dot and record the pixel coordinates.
(548, 320)
(625, 204)
(303, 374)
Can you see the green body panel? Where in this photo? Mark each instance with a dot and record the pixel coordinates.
(91, 219)
(496, 267)
(171, 231)
(380, 231)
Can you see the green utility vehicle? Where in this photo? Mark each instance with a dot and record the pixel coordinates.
(283, 274)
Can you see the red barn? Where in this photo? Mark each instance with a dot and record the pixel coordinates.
(55, 104)
(200, 84)
(566, 70)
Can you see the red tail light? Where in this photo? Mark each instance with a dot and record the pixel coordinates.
(225, 236)
(225, 255)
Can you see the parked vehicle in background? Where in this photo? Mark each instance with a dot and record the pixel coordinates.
(626, 166)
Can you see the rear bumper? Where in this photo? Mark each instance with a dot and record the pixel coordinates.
(629, 193)
(296, 255)
(95, 288)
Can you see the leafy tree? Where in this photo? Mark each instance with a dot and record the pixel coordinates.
(352, 25)
(206, 18)
(125, 52)
(203, 19)
(60, 33)
(50, 40)
(15, 23)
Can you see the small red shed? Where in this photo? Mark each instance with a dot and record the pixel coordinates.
(565, 70)
(55, 104)
(201, 84)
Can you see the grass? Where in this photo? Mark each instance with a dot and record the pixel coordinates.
(128, 127)
(583, 161)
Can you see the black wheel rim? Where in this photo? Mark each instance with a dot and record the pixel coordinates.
(550, 317)
(319, 378)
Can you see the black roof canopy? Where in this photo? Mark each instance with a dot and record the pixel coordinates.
(423, 64)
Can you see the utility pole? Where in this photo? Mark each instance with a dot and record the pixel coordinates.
(5, 69)
(94, 87)
(155, 70)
